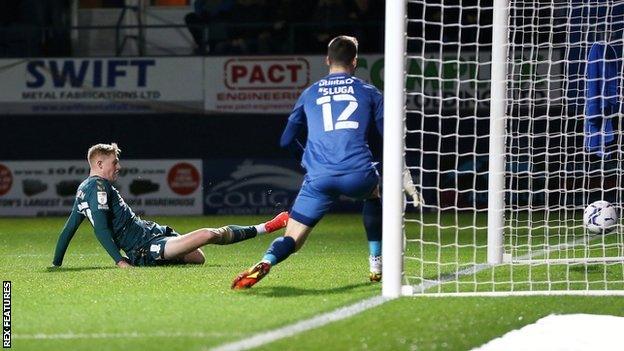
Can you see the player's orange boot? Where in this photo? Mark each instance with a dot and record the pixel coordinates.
(251, 276)
(277, 223)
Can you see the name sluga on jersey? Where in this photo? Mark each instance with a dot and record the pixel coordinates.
(335, 86)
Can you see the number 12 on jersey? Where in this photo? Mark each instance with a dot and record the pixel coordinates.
(342, 121)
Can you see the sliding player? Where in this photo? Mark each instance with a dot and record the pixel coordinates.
(145, 243)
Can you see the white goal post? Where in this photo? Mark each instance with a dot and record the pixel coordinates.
(487, 102)
(394, 115)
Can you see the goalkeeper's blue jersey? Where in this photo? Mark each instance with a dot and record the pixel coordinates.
(338, 111)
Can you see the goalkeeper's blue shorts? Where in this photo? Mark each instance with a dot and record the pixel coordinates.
(317, 195)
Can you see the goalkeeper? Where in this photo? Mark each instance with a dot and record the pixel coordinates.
(145, 243)
(338, 111)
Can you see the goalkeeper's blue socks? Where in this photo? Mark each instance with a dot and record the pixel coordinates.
(371, 215)
(279, 250)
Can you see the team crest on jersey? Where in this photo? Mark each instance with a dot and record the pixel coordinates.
(102, 197)
(155, 248)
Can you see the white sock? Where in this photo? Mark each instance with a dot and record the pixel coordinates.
(260, 228)
(375, 264)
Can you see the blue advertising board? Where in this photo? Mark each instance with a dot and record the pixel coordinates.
(256, 186)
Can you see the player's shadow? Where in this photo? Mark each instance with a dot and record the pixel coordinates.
(76, 269)
(286, 291)
(184, 265)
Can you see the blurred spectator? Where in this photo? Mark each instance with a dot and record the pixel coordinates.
(286, 26)
(332, 17)
(57, 27)
(206, 21)
(9, 12)
(35, 28)
(21, 32)
(367, 18)
(251, 20)
(301, 26)
(170, 2)
(89, 4)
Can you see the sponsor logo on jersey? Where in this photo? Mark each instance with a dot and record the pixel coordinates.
(102, 198)
(328, 82)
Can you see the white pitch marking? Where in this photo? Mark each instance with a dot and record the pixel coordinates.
(128, 335)
(263, 338)
(299, 327)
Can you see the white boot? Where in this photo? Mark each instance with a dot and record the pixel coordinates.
(375, 268)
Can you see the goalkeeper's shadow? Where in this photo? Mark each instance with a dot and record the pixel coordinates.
(288, 291)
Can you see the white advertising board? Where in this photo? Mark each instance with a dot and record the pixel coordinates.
(101, 85)
(248, 84)
(149, 187)
(262, 84)
(273, 84)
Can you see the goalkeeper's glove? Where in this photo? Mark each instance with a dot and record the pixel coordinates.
(410, 189)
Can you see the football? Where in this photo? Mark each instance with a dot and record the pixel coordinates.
(600, 217)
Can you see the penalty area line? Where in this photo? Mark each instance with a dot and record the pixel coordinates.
(265, 337)
(344, 312)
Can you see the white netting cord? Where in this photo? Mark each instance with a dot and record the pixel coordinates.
(546, 145)
(446, 101)
(550, 175)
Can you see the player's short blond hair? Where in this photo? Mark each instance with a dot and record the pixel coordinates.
(102, 149)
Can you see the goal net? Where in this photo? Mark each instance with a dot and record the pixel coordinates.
(512, 127)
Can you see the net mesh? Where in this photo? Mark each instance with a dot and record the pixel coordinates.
(550, 174)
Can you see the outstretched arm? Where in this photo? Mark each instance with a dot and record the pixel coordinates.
(71, 225)
(99, 215)
(104, 234)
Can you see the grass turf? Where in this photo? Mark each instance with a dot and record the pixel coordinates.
(442, 323)
(91, 305)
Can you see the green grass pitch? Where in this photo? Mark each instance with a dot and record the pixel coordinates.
(90, 304)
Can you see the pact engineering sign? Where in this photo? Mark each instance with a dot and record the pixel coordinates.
(255, 84)
(270, 85)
